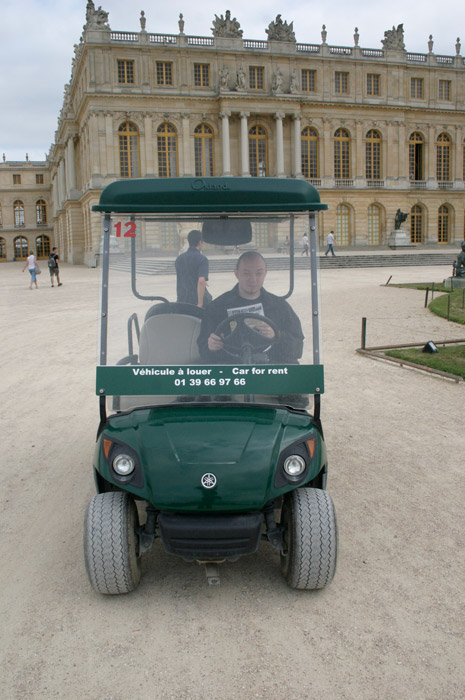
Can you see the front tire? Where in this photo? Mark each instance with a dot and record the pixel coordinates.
(308, 558)
(111, 549)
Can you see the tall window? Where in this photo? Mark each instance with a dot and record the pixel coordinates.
(308, 80)
(415, 156)
(169, 235)
(21, 248)
(164, 73)
(16, 179)
(260, 234)
(202, 74)
(443, 224)
(416, 88)
(373, 155)
(416, 224)
(443, 158)
(203, 149)
(18, 211)
(256, 77)
(2, 249)
(341, 83)
(167, 147)
(43, 247)
(374, 224)
(444, 90)
(341, 154)
(39, 179)
(373, 84)
(41, 212)
(258, 160)
(125, 72)
(343, 224)
(128, 141)
(309, 150)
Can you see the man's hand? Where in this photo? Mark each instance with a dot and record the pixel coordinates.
(215, 343)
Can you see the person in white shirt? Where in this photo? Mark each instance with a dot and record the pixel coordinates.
(330, 241)
(31, 264)
(305, 244)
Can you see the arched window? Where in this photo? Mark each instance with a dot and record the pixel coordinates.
(43, 247)
(2, 249)
(443, 224)
(21, 248)
(18, 211)
(309, 150)
(128, 143)
(341, 154)
(343, 233)
(443, 158)
(203, 150)
(167, 146)
(416, 224)
(415, 157)
(374, 224)
(41, 212)
(373, 155)
(258, 159)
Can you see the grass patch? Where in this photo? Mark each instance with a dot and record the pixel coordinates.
(449, 359)
(439, 306)
(438, 286)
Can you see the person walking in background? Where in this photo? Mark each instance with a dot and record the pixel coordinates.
(305, 244)
(330, 241)
(31, 264)
(53, 266)
(192, 273)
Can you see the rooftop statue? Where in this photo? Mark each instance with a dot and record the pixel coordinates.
(394, 38)
(280, 31)
(95, 19)
(225, 26)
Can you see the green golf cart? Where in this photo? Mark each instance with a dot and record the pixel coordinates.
(210, 439)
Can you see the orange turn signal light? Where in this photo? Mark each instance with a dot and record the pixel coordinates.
(106, 447)
(311, 444)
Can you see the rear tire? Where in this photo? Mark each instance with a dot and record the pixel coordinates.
(308, 558)
(111, 547)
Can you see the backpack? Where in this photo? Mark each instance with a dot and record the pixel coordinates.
(52, 263)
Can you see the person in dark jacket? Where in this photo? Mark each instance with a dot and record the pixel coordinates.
(192, 273)
(249, 296)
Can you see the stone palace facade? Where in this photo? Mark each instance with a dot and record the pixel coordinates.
(375, 130)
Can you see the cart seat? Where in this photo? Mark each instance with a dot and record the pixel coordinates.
(169, 334)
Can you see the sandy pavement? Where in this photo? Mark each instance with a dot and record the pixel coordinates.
(390, 626)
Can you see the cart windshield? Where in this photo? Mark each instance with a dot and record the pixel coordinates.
(209, 308)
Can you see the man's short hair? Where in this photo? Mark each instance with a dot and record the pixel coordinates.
(193, 238)
(248, 255)
(54, 248)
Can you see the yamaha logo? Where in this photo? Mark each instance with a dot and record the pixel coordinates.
(208, 481)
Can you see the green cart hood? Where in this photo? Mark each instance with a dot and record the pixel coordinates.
(177, 445)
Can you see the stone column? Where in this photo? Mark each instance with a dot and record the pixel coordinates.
(112, 145)
(187, 169)
(279, 116)
(430, 165)
(71, 166)
(358, 171)
(244, 145)
(297, 151)
(458, 162)
(328, 164)
(149, 147)
(61, 183)
(225, 143)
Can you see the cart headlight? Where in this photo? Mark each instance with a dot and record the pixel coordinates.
(124, 465)
(294, 465)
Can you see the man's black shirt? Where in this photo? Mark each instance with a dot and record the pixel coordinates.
(190, 266)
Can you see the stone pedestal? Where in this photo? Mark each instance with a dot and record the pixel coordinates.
(454, 283)
(399, 239)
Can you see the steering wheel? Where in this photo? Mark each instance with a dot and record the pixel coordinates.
(245, 339)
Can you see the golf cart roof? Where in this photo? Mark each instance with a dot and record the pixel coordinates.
(182, 195)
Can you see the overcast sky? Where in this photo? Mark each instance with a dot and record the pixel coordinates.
(37, 38)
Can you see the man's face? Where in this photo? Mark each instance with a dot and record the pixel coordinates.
(251, 274)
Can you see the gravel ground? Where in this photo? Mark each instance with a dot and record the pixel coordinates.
(390, 626)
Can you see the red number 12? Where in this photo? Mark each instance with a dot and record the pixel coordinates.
(130, 233)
